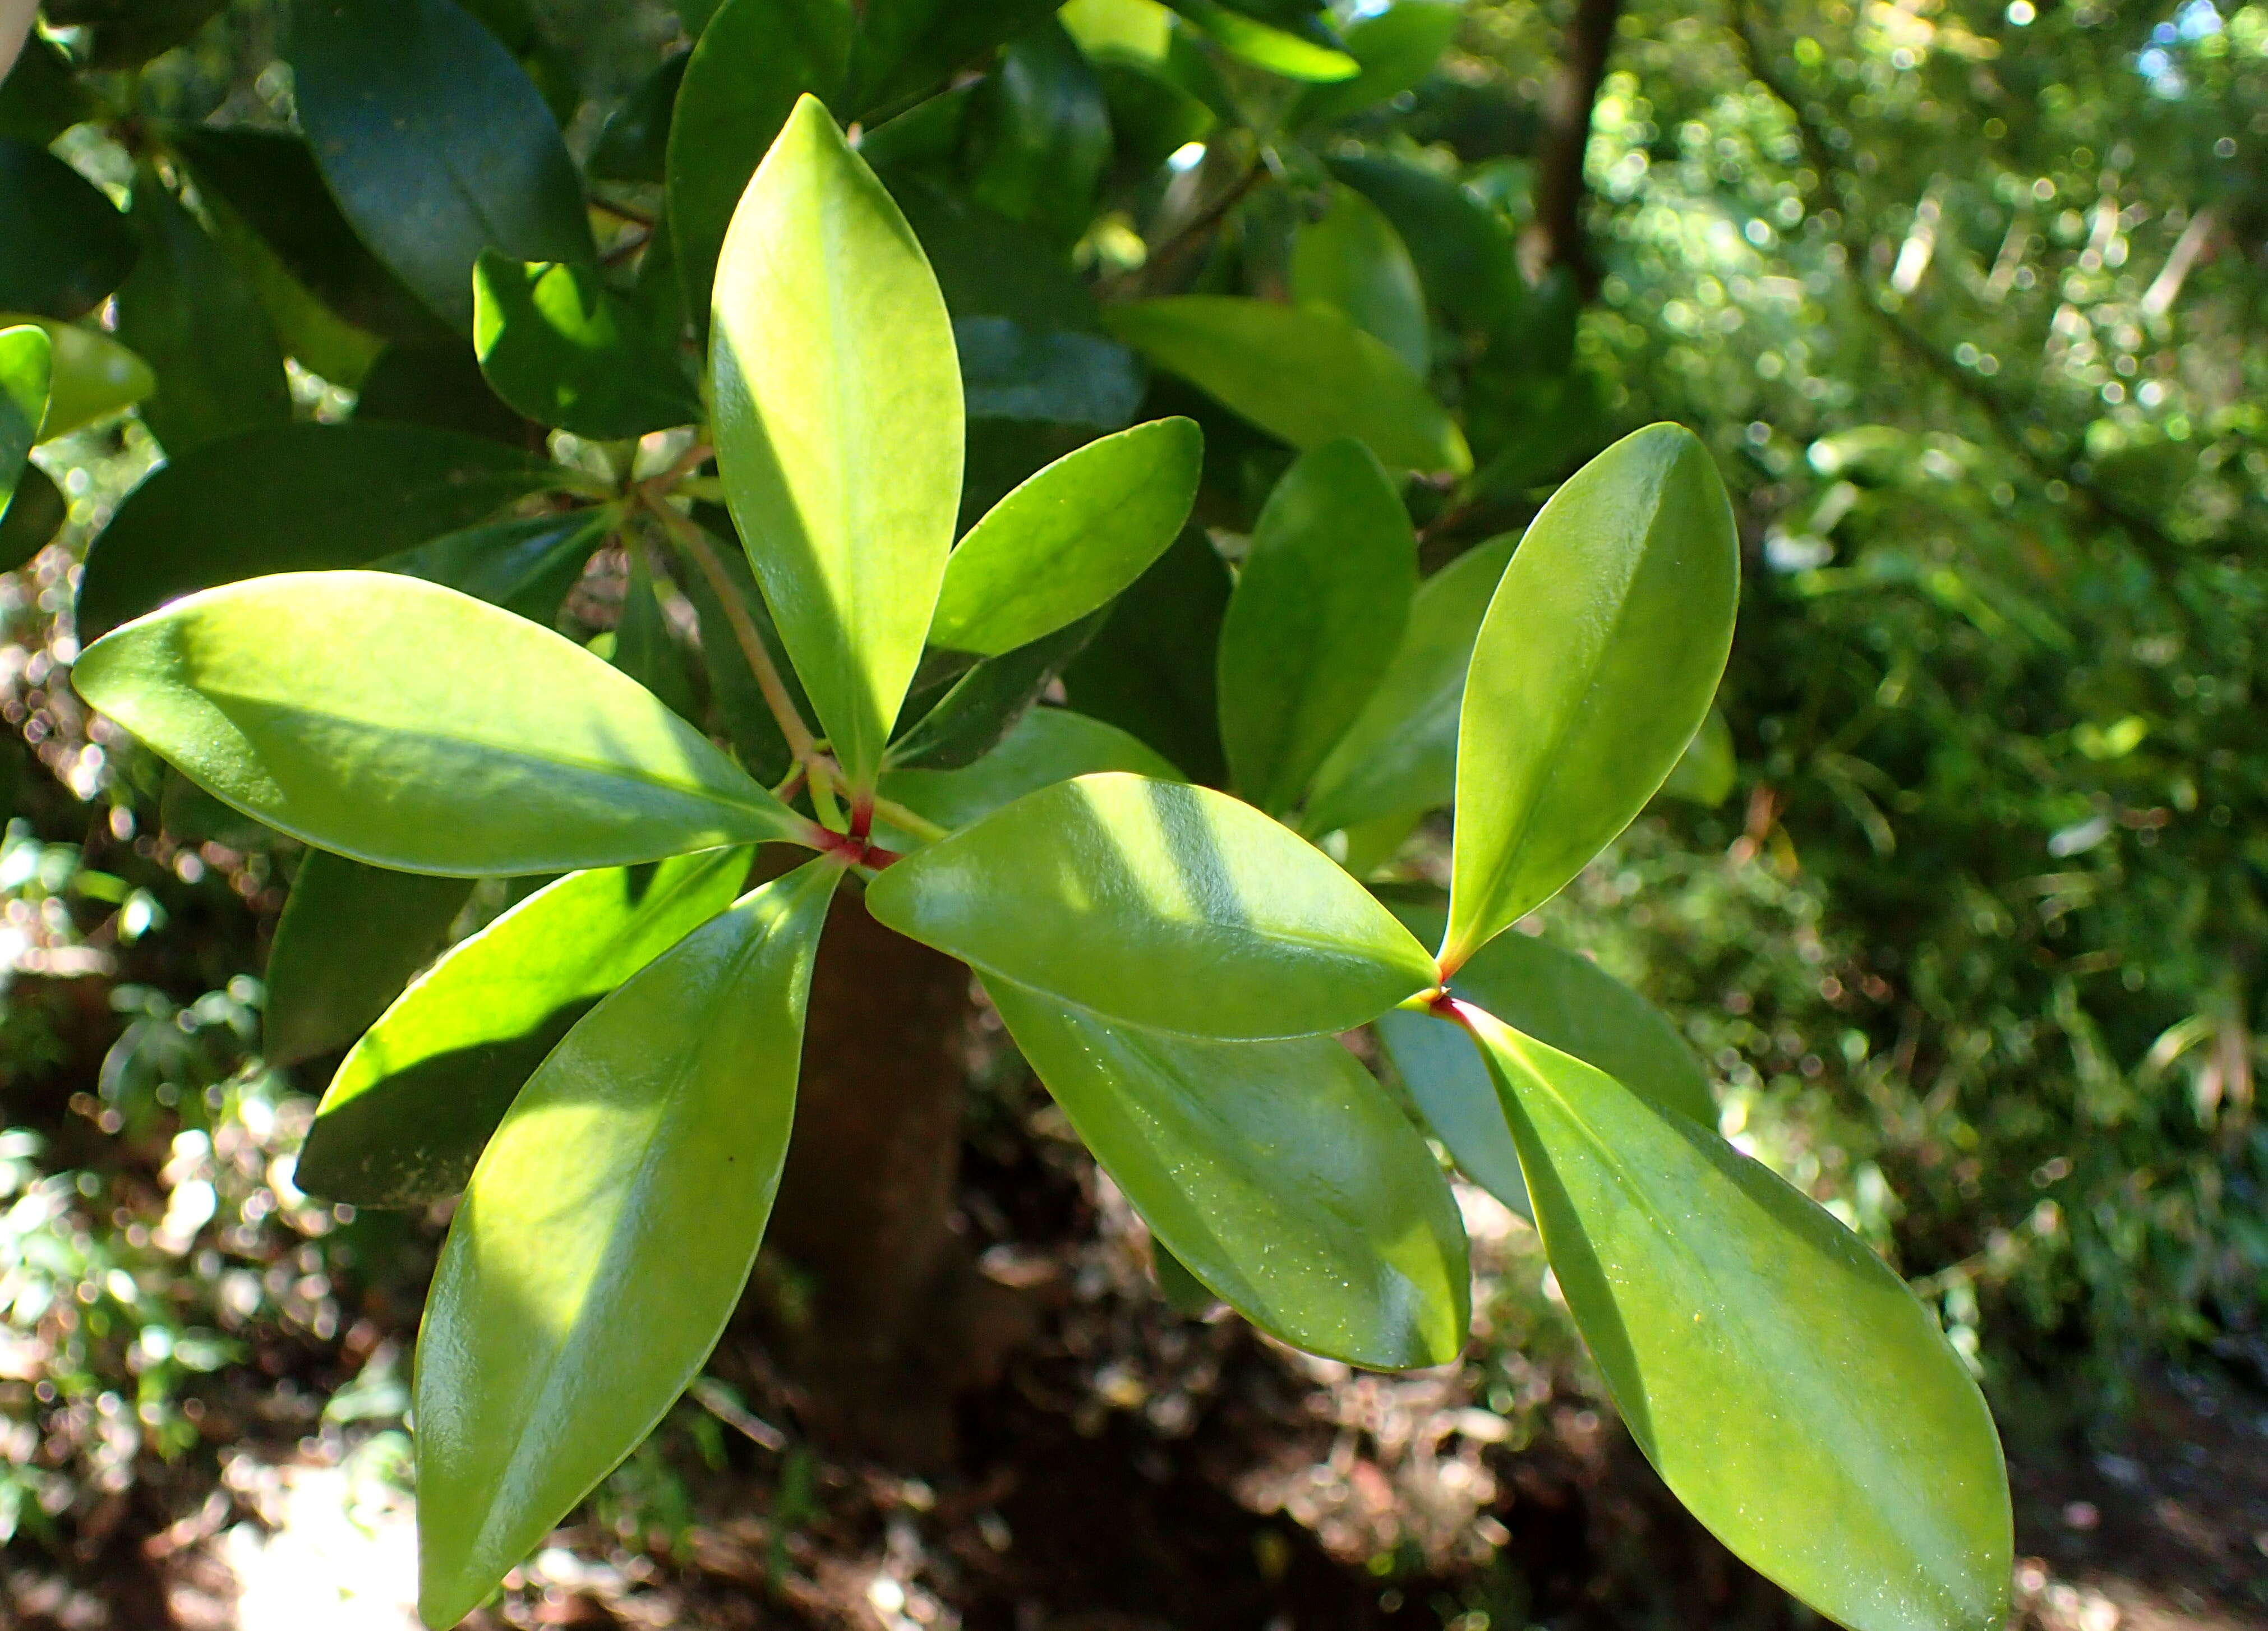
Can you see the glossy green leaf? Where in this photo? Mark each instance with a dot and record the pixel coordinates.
(442, 386)
(1306, 375)
(606, 1235)
(32, 517)
(1010, 370)
(1790, 1389)
(1396, 47)
(435, 142)
(838, 426)
(526, 566)
(566, 351)
(1709, 769)
(197, 320)
(1464, 251)
(90, 375)
(1183, 1292)
(416, 1100)
(1400, 752)
(1279, 51)
(66, 246)
(406, 726)
(745, 719)
(269, 181)
(1353, 262)
(980, 708)
(25, 354)
(907, 47)
(1069, 539)
(1594, 666)
(1149, 671)
(1045, 747)
(1317, 613)
(349, 940)
(1278, 1173)
(1151, 117)
(330, 495)
(1161, 904)
(644, 647)
(126, 34)
(1038, 134)
(39, 96)
(750, 65)
(1134, 31)
(633, 146)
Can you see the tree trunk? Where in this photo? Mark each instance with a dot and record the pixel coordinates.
(1557, 236)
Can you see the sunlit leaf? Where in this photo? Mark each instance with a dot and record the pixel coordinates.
(605, 1237)
(1280, 51)
(1396, 49)
(1166, 904)
(1595, 665)
(24, 356)
(566, 351)
(1353, 262)
(406, 726)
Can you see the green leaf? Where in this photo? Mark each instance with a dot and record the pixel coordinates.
(1464, 250)
(1161, 903)
(406, 726)
(1045, 747)
(435, 142)
(1594, 666)
(741, 709)
(981, 708)
(838, 426)
(1353, 262)
(1278, 1173)
(329, 495)
(1709, 769)
(24, 356)
(1303, 373)
(526, 566)
(1061, 376)
(90, 375)
(566, 351)
(126, 34)
(1396, 49)
(1151, 670)
(416, 1098)
(442, 386)
(1279, 51)
(1317, 613)
(750, 65)
(268, 182)
(907, 47)
(1786, 1383)
(32, 520)
(198, 320)
(67, 246)
(1183, 1292)
(1038, 134)
(1136, 31)
(644, 648)
(606, 1235)
(1151, 116)
(1400, 752)
(350, 938)
(1069, 539)
(633, 146)
(40, 97)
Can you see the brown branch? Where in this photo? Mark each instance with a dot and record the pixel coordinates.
(1557, 237)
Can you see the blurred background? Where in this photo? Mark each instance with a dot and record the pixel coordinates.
(1960, 895)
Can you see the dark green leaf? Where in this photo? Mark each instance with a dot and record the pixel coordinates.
(740, 707)
(907, 47)
(526, 566)
(32, 519)
(1316, 618)
(1038, 134)
(435, 142)
(1070, 539)
(1279, 1172)
(1045, 747)
(1595, 665)
(26, 356)
(751, 63)
(1400, 752)
(983, 705)
(1059, 375)
(270, 183)
(1152, 118)
(1161, 903)
(644, 648)
(1464, 250)
(412, 1104)
(832, 361)
(1183, 1292)
(328, 496)
(566, 351)
(197, 319)
(66, 246)
(633, 146)
(442, 386)
(126, 34)
(349, 940)
(1792, 1391)
(40, 97)
(408, 726)
(606, 1235)
(1397, 48)
(1353, 262)
(1303, 373)
(989, 265)
(1149, 671)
